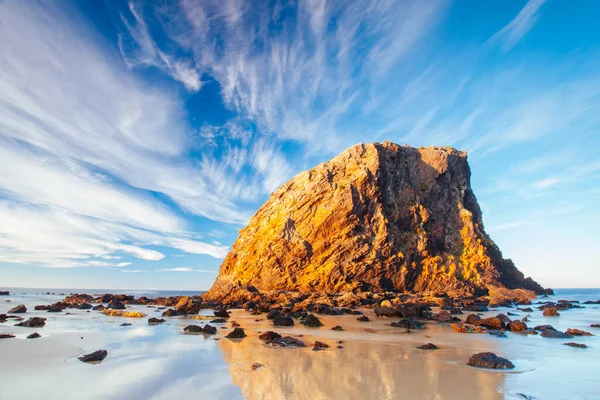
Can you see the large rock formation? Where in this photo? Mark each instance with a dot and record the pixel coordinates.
(378, 217)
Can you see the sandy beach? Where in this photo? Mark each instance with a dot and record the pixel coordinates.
(160, 362)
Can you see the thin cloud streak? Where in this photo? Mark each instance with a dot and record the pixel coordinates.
(516, 29)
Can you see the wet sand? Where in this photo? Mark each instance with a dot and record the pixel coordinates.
(159, 362)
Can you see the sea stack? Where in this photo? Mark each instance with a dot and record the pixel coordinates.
(378, 217)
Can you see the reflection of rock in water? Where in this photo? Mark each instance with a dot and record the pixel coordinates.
(359, 371)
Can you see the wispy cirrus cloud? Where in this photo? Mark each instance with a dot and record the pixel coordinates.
(514, 31)
(186, 269)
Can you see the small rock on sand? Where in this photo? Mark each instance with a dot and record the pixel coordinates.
(489, 360)
(34, 322)
(34, 336)
(20, 309)
(573, 344)
(96, 356)
(320, 346)
(237, 333)
(428, 346)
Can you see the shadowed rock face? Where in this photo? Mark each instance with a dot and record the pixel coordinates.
(378, 217)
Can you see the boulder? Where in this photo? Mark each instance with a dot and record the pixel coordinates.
(489, 360)
(190, 305)
(282, 320)
(99, 307)
(237, 333)
(471, 318)
(464, 328)
(364, 318)
(516, 326)
(170, 313)
(554, 334)
(6, 336)
(34, 335)
(490, 323)
(320, 346)
(551, 312)
(287, 341)
(269, 336)
(115, 304)
(34, 322)
(20, 309)
(312, 321)
(408, 323)
(209, 330)
(85, 306)
(155, 321)
(337, 328)
(221, 313)
(96, 356)
(578, 332)
(428, 346)
(573, 344)
(193, 329)
(218, 321)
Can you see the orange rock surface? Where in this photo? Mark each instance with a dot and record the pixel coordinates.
(378, 217)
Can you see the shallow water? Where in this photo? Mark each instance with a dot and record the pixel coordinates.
(158, 362)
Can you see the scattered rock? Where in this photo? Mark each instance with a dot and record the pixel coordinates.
(268, 336)
(595, 326)
(96, 356)
(34, 336)
(312, 321)
(443, 316)
(490, 323)
(489, 360)
(99, 307)
(462, 328)
(578, 332)
(170, 313)
(364, 318)
(256, 366)
(408, 323)
(516, 326)
(85, 306)
(526, 309)
(471, 318)
(320, 346)
(115, 304)
(428, 346)
(573, 344)
(193, 329)
(209, 330)
(497, 333)
(283, 321)
(6, 336)
(56, 308)
(551, 312)
(237, 333)
(34, 322)
(125, 324)
(218, 321)
(554, 334)
(337, 328)
(4, 293)
(155, 321)
(20, 309)
(287, 341)
(221, 313)
(191, 305)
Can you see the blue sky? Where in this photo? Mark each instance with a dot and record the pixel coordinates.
(137, 138)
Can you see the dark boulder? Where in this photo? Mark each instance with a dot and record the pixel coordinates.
(337, 328)
(99, 307)
(554, 334)
(269, 336)
(155, 321)
(428, 346)
(4, 293)
(386, 312)
(408, 323)
(56, 308)
(282, 320)
(209, 330)
(364, 318)
(503, 318)
(274, 313)
(170, 313)
(320, 346)
(6, 336)
(85, 306)
(34, 322)
(20, 309)
(192, 329)
(96, 356)
(573, 344)
(218, 321)
(287, 341)
(312, 321)
(115, 304)
(237, 333)
(34, 336)
(221, 313)
(125, 324)
(489, 360)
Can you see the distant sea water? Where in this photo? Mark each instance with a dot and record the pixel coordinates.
(134, 292)
(580, 294)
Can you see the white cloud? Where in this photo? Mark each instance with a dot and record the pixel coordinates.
(186, 269)
(547, 183)
(519, 26)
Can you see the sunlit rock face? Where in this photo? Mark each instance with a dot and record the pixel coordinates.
(378, 217)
